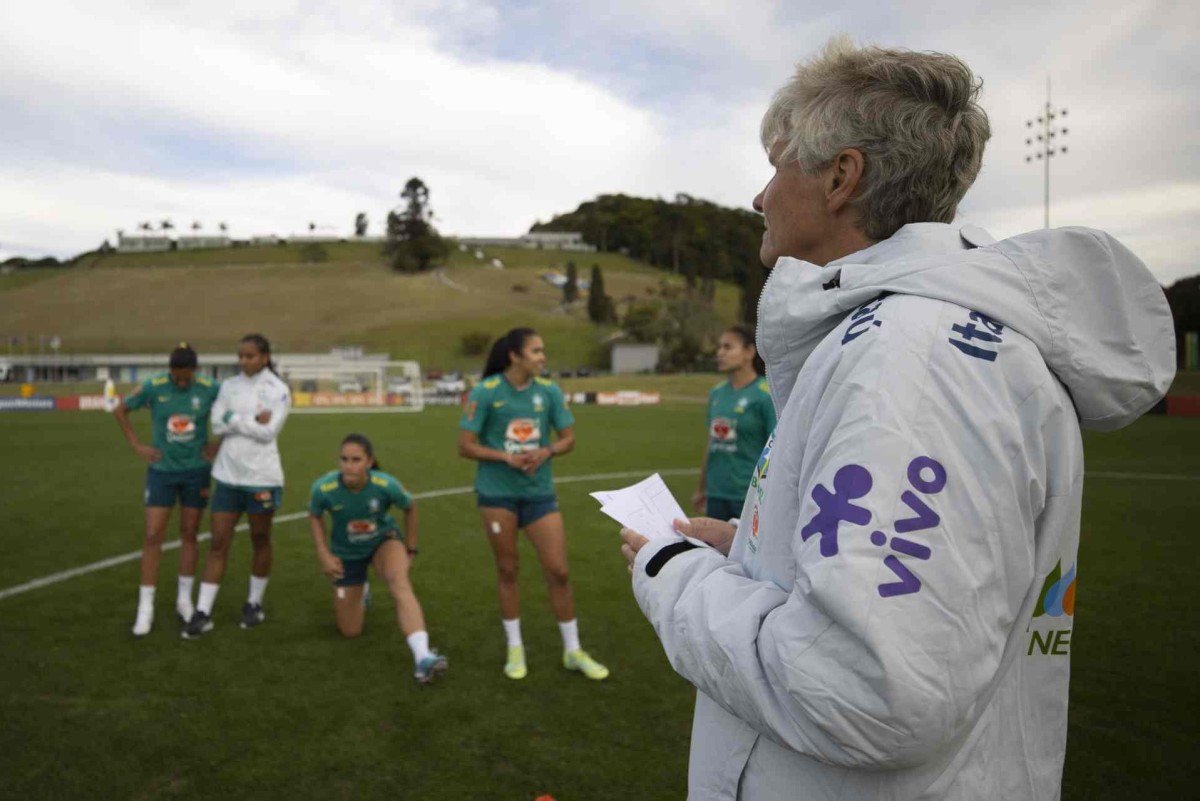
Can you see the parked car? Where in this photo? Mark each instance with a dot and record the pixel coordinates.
(399, 386)
(450, 384)
(583, 371)
(350, 385)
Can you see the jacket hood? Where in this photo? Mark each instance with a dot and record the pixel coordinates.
(1097, 315)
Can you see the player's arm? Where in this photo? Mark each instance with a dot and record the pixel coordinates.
(881, 655)
(700, 496)
(412, 525)
(121, 415)
(221, 413)
(330, 565)
(401, 498)
(563, 423)
(265, 427)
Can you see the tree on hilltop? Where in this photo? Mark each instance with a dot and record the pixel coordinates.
(360, 224)
(413, 244)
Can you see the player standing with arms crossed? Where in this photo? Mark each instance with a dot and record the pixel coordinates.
(249, 413)
(506, 428)
(179, 403)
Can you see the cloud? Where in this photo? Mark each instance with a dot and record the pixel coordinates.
(514, 111)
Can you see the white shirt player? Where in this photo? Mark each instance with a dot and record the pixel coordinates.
(249, 456)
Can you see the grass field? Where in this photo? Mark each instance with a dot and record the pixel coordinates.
(289, 710)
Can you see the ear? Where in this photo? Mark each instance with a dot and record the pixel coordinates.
(843, 177)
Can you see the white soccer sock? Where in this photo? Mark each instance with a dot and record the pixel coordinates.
(418, 643)
(207, 597)
(570, 635)
(145, 597)
(512, 631)
(258, 586)
(183, 597)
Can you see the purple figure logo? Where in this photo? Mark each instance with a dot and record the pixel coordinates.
(849, 483)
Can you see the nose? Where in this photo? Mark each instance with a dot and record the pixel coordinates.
(757, 202)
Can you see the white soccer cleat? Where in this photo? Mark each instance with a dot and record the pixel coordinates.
(144, 621)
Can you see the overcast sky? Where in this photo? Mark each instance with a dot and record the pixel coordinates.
(274, 114)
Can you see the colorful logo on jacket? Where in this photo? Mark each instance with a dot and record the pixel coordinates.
(522, 434)
(852, 482)
(1058, 594)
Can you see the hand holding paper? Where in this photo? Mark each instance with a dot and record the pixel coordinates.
(647, 507)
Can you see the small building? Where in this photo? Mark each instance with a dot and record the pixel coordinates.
(200, 241)
(541, 240)
(143, 243)
(634, 357)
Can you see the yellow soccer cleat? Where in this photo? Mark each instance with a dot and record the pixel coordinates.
(579, 660)
(515, 668)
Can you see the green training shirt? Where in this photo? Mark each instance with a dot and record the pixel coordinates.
(515, 421)
(179, 418)
(739, 422)
(360, 518)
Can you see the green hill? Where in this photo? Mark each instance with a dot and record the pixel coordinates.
(147, 302)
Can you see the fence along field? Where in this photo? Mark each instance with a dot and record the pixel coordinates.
(290, 710)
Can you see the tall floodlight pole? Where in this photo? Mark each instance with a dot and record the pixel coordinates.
(1048, 142)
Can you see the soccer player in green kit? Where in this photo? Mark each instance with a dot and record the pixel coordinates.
(506, 428)
(357, 497)
(179, 464)
(741, 416)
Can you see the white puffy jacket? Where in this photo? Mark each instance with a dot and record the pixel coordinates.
(894, 618)
(249, 456)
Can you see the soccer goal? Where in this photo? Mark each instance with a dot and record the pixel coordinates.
(355, 387)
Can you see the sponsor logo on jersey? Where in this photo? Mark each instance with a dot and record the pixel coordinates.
(723, 429)
(181, 428)
(723, 435)
(361, 530)
(523, 434)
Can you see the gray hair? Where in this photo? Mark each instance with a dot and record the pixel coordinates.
(913, 116)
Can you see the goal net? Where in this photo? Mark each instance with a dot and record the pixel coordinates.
(350, 387)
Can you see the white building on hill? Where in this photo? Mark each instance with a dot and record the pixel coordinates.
(542, 240)
(142, 243)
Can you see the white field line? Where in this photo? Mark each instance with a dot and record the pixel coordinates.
(113, 561)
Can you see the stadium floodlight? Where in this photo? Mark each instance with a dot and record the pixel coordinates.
(1045, 145)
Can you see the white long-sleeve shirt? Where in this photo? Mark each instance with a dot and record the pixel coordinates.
(249, 456)
(894, 618)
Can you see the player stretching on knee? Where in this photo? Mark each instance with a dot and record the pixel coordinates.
(357, 497)
(506, 428)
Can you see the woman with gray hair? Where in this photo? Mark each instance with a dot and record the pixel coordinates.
(892, 616)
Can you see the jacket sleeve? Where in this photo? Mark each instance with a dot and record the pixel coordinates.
(913, 552)
(279, 406)
(221, 413)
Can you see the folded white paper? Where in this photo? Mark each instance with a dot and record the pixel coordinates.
(647, 507)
